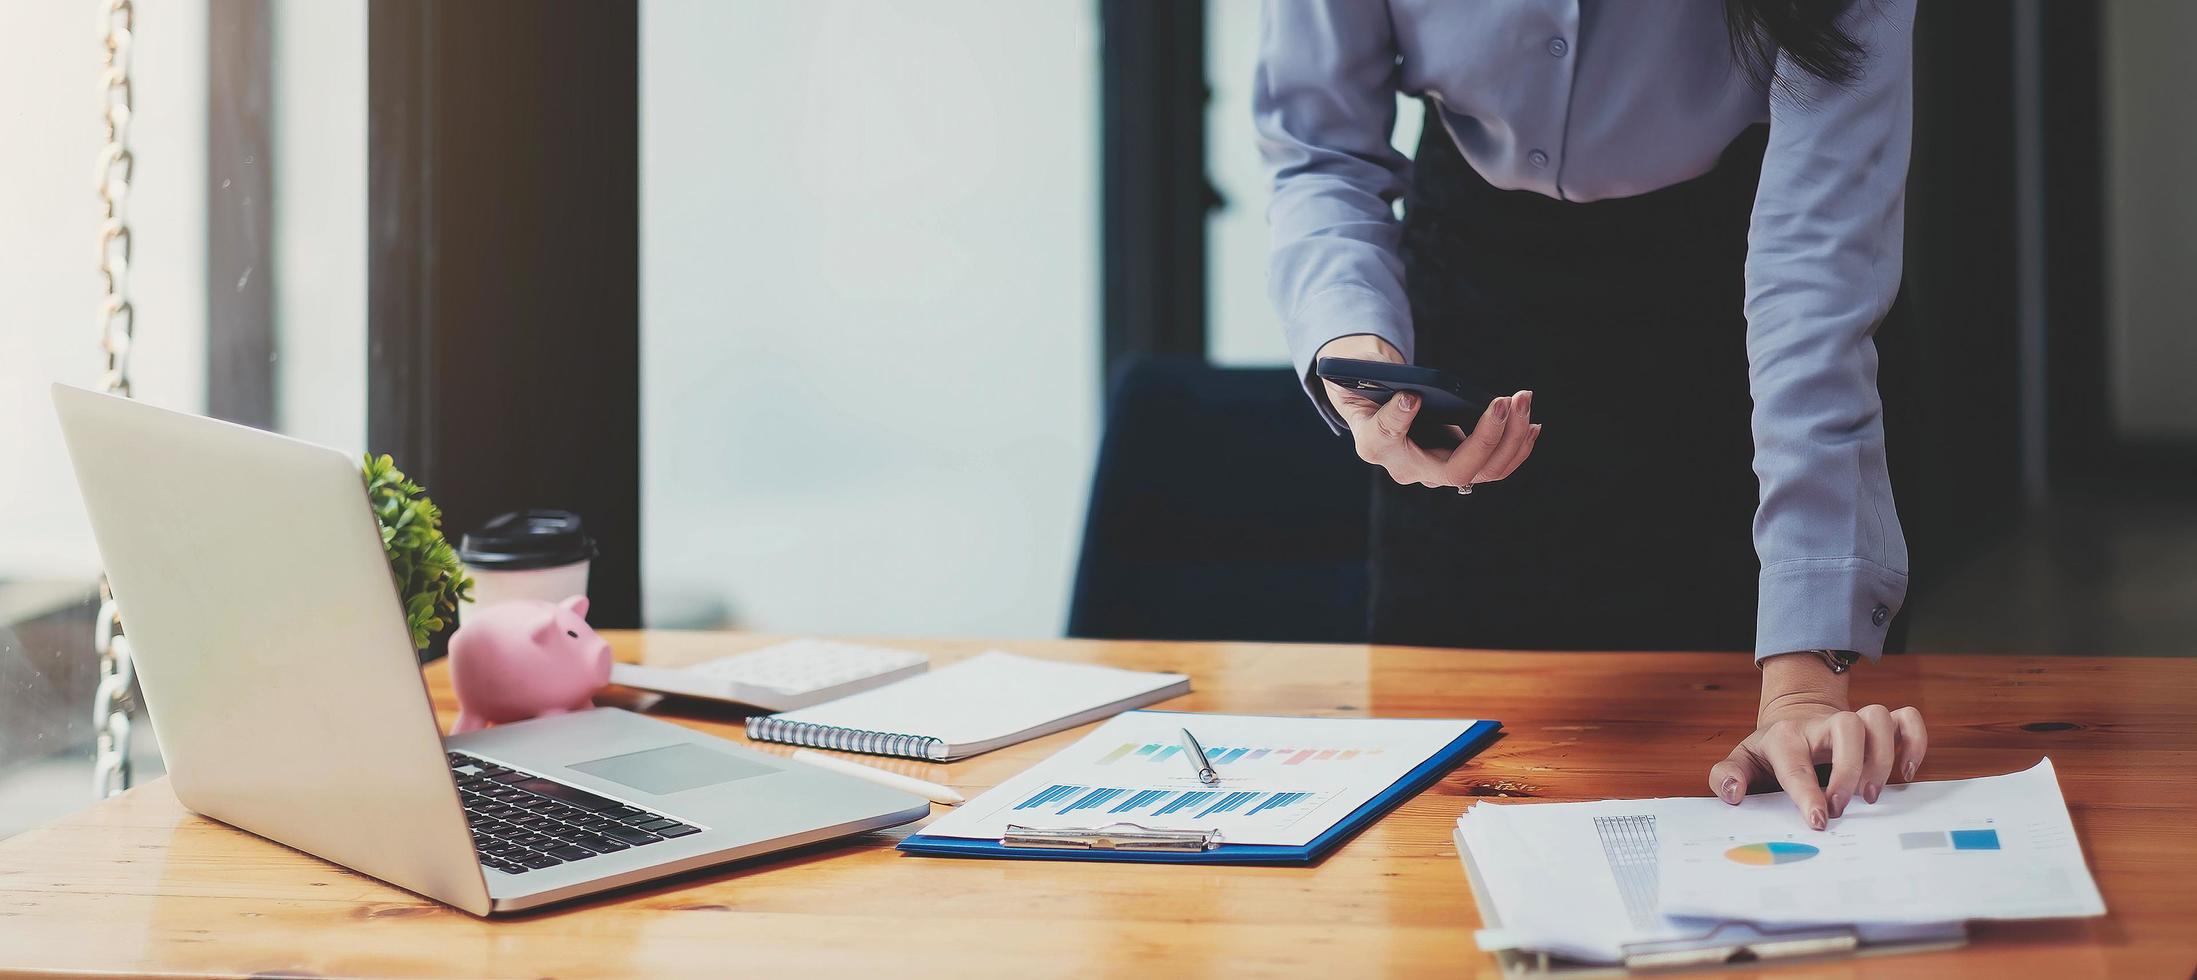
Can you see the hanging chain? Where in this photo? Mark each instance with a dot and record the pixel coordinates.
(117, 328)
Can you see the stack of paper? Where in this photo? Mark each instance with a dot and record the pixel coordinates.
(1595, 882)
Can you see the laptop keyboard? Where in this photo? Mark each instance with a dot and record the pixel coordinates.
(525, 822)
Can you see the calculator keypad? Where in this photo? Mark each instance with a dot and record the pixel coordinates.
(805, 666)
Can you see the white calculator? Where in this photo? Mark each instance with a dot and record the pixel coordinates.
(781, 677)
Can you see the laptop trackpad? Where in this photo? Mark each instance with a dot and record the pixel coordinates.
(672, 769)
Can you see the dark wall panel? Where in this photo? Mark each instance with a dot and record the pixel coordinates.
(503, 333)
(1152, 144)
(1950, 380)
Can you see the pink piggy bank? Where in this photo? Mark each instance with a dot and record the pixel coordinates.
(525, 658)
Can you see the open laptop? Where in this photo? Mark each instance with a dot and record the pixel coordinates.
(281, 680)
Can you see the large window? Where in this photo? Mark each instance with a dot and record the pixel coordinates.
(317, 74)
(305, 141)
(49, 69)
(1242, 326)
(870, 378)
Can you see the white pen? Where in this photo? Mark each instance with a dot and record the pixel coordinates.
(1194, 752)
(906, 784)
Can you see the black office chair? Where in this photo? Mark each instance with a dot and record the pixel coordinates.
(1222, 509)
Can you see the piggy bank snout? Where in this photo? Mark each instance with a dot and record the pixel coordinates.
(580, 647)
(583, 650)
(524, 649)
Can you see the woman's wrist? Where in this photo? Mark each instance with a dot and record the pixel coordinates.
(1363, 346)
(1800, 678)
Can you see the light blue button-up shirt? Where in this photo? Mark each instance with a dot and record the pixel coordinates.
(1582, 100)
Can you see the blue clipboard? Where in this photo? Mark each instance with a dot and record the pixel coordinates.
(1414, 782)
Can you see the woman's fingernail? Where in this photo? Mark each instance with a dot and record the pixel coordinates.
(1815, 819)
(1838, 805)
(1911, 766)
(1731, 789)
(1408, 401)
(1502, 409)
(1869, 791)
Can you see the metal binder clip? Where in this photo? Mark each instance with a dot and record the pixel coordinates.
(1112, 837)
(1737, 942)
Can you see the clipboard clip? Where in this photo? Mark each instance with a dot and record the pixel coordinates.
(1736, 942)
(1112, 837)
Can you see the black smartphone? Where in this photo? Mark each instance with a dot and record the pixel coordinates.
(1444, 399)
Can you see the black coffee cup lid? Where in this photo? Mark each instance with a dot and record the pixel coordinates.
(527, 539)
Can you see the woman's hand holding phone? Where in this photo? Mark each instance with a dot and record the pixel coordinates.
(1502, 438)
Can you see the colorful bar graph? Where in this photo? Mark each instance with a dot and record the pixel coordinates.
(1276, 802)
(1048, 795)
(1186, 801)
(1223, 755)
(1141, 798)
(1093, 800)
(1063, 799)
(1229, 802)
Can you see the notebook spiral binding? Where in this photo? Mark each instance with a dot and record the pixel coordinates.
(770, 728)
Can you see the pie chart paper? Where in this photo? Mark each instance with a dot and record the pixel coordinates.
(1998, 847)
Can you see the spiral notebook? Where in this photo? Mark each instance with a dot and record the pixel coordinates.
(986, 702)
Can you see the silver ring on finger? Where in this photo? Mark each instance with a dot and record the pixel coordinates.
(1466, 490)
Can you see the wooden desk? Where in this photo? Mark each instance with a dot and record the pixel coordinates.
(138, 885)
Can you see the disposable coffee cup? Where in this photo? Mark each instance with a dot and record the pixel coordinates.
(528, 554)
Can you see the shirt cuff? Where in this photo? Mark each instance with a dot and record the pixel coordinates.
(1341, 311)
(1826, 604)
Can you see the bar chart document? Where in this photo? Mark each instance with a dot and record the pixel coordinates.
(1282, 781)
(2000, 847)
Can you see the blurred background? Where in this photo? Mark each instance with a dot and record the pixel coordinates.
(811, 309)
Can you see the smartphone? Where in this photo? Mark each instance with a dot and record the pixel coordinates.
(1443, 398)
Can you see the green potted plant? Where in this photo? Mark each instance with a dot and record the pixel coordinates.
(430, 579)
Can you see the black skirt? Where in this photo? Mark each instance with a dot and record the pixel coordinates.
(1630, 528)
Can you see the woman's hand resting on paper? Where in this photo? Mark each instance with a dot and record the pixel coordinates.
(1501, 440)
(1804, 720)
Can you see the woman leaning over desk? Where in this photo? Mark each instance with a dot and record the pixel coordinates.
(1679, 223)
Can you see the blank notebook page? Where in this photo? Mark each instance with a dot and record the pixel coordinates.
(991, 697)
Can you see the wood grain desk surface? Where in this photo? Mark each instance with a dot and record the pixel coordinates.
(138, 885)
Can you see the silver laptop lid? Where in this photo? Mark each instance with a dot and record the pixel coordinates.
(269, 641)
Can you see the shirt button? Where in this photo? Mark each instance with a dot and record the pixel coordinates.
(1879, 615)
(1539, 158)
(1557, 47)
